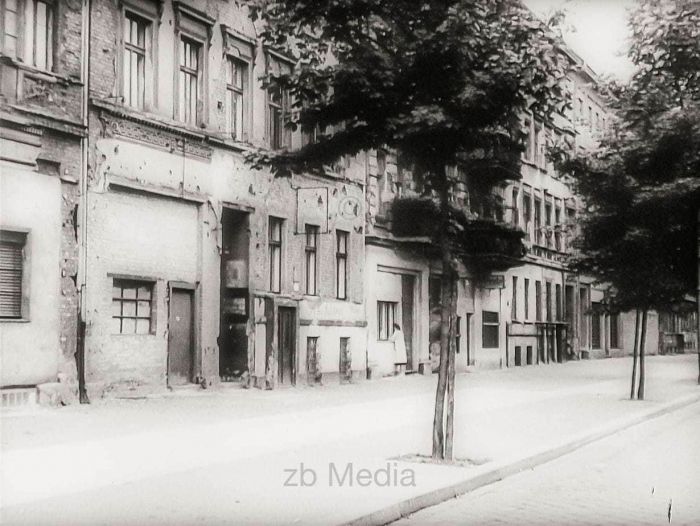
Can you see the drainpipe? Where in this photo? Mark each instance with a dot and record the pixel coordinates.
(83, 201)
(364, 263)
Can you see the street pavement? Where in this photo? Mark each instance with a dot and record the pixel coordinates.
(632, 477)
(223, 456)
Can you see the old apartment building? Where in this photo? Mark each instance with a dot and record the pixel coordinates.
(201, 270)
(125, 125)
(537, 312)
(41, 133)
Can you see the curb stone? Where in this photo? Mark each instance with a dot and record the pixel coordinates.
(505, 468)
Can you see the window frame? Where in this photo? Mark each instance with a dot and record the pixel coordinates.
(242, 91)
(183, 42)
(490, 325)
(275, 253)
(341, 255)
(386, 311)
(148, 19)
(311, 233)
(21, 239)
(29, 38)
(282, 139)
(136, 284)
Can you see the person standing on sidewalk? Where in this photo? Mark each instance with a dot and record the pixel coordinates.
(400, 357)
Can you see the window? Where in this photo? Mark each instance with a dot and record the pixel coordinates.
(595, 326)
(341, 264)
(131, 306)
(557, 298)
(39, 34)
(277, 109)
(386, 314)
(548, 222)
(458, 334)
(311, 259)
(539, 140)
(190, 58)
(236, 97)
(11, 273)
(527, 213)
(557, 231)
(10, 27)
(514, 304)
(614, 331)
(530, 139)
(275, 247)
(548, 300)
(489, 331)
(515, 214)
(538, 221)
(134, 60)
(527, 299)
(538, 301)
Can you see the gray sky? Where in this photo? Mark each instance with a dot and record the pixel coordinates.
(596, 30)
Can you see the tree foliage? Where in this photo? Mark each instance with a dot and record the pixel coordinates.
(444, 82)
(642, 185)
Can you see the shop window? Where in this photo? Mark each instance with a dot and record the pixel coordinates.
(131, 306)
(386, 314)
(489, 330)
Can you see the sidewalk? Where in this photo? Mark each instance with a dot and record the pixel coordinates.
(212, 455)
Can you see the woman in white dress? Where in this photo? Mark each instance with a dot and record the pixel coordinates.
(400, 357)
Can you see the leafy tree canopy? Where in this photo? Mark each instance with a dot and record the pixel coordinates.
(445, 81)
(642, 186)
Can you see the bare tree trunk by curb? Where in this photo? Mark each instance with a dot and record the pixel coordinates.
(642, 344)
(449, 426)
(446, 289)
(634, 354)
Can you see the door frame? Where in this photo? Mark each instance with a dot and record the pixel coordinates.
(293, 306)
(196, 368)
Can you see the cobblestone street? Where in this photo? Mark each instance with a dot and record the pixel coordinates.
(629, 478)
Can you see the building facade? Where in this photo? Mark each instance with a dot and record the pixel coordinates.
(127, 208)
(200, 269)
(41, 134)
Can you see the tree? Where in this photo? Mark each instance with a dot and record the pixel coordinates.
(642, 186)
(443, 81)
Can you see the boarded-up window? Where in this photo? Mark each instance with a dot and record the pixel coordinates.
(11, 267)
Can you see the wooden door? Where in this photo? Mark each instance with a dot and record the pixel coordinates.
(407, 288)
(286, 339)
(180, 337)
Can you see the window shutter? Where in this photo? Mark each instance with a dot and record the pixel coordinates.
(10, 280)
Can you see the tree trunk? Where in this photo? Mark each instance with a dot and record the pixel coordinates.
(634, 354)
(642, 344)
(446, 303)
(449, 426)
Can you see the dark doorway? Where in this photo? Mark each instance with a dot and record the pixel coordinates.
(180, 337)
(234, 313)
(286, 339)
(408, 284)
